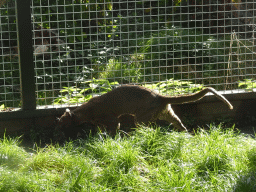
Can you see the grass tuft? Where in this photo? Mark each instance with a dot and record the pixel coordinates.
(11, 155)
(151, 159)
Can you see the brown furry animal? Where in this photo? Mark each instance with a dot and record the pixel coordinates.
(144, 104)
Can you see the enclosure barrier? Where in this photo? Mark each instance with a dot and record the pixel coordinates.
(126, 42)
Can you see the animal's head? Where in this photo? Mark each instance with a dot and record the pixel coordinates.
(66, 120)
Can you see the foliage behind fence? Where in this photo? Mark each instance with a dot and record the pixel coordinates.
(206, 42)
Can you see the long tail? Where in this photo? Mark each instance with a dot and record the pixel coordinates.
(196, 96)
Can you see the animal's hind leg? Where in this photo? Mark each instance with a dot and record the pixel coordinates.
(169, 115)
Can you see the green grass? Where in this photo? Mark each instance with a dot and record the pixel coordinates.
(148, 160)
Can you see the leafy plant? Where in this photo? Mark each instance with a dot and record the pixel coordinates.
(175, 87)
(247, 84)
(177, 52)
(93, 88)
(123, 72)
(98, 87)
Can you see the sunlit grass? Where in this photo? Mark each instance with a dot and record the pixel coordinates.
(151, 159)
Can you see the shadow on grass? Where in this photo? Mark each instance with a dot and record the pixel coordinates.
(247, 182)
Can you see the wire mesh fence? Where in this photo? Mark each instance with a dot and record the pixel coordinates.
(82, 48)
(9, 67)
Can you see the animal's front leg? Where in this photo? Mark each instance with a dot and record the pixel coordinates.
(111, 123)
(169, 115)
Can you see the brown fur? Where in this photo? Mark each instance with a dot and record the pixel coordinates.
(144, 104)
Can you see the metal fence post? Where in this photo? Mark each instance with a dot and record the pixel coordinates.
(27, 82)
